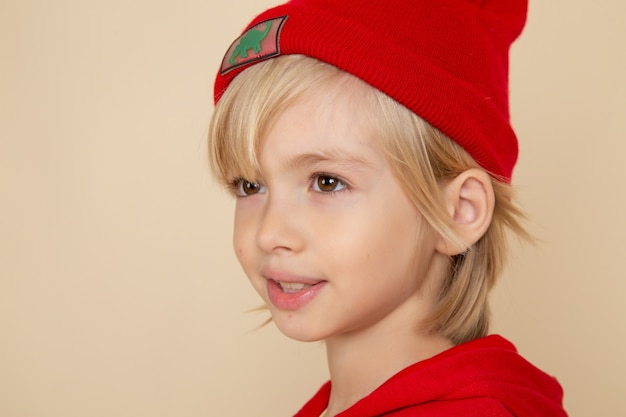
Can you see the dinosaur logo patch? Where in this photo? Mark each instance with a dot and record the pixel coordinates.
(259, 42)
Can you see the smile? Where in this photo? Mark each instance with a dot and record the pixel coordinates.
(292, 295)
(293, 287)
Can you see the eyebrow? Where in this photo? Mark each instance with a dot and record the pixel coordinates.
(336, 156)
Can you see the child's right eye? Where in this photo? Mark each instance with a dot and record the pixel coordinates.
(245, 188)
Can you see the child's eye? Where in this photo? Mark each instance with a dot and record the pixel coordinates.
(324, 183)
(245, 188)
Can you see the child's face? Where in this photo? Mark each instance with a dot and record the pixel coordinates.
(328, 237)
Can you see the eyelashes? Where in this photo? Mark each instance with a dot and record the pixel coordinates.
(319, 182)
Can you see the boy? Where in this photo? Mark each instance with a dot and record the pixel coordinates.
(369, 148)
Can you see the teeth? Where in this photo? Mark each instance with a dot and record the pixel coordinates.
(292, 287)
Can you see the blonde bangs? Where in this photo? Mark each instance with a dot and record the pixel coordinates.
(250, 106)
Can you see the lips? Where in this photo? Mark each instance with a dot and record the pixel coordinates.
(291, 292)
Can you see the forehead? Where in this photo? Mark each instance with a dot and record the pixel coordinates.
(335, 102)
(324, 124)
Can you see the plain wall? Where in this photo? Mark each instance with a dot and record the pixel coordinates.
(119, 294)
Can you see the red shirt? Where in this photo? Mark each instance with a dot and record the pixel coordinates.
(482, 378)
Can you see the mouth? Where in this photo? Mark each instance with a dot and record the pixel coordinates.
(288, 292)
(293, 287)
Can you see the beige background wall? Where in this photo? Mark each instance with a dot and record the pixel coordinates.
(119, 295)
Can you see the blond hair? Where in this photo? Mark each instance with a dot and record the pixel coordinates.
(421, 157)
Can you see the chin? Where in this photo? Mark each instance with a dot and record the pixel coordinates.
(295, 331)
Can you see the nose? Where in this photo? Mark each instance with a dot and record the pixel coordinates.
(279, 228)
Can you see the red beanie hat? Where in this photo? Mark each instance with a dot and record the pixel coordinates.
(445, 60)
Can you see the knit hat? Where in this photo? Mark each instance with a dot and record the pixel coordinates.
(445, 60)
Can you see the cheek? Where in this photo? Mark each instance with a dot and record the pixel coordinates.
(238, 240)
(240, 244)
(244, 237)
(240, 251)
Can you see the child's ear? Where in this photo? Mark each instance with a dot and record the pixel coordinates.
(470, 201)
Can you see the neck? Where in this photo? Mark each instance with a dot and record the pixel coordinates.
(360, 362)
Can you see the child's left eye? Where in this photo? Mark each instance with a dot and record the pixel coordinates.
(327, 183)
